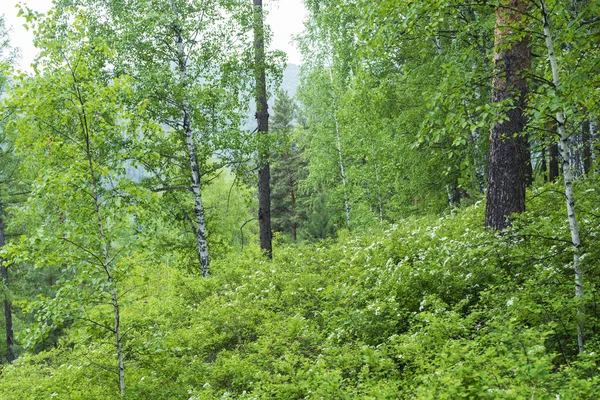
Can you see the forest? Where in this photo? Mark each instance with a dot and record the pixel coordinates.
(418, 219)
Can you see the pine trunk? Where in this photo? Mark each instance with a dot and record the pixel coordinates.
(262, 118)
(509, 151)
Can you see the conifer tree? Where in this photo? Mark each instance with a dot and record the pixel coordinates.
(287, 170)
(509, 150)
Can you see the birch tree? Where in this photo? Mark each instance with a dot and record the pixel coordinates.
(189, 61)
(71, 127)
(568, 173)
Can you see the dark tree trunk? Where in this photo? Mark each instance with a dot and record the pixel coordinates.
(262, 118)
(553, 169)
(528, 165)
(544, 165)
(293, 208)
(587, 150)
(509, 152)
(10, 356)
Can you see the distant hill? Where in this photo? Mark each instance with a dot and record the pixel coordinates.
(291, 79)
(290, 82)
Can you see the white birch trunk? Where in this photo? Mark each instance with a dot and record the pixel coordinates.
(450, 197)
(339, 150)
(200, 231)
(568, 177)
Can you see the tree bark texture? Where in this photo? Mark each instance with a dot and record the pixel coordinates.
(553, 168)
(186, 121)
(509, 150)
(262, 118)
(10, 356)
(587, 150)
(568, 178)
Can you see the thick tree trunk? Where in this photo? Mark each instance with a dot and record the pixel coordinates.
(10, 356)
(509, 153)
(568, 178)
(186, 116)
(262, 118)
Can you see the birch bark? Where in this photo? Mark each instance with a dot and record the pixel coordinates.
(186, 122)
(339, 151)
(568, 178)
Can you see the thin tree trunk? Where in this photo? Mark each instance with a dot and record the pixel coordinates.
(339, 150)
(293, 208)
(10, 356)
(575, 146)
(508, 145)
(376, 170)
(107, 259)
(587, 150)
(105, 241)
(262, 118)
(200, 231)
(450, 196)
(568, 178)
(528, 165)
(544, 165)
(553, 167)
(593, 139)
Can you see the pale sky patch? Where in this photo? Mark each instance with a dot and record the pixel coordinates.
(285, 17)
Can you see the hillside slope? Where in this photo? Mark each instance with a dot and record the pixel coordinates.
(434, 307)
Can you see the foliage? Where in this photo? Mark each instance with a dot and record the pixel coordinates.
(433, 307)
(406, 297)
